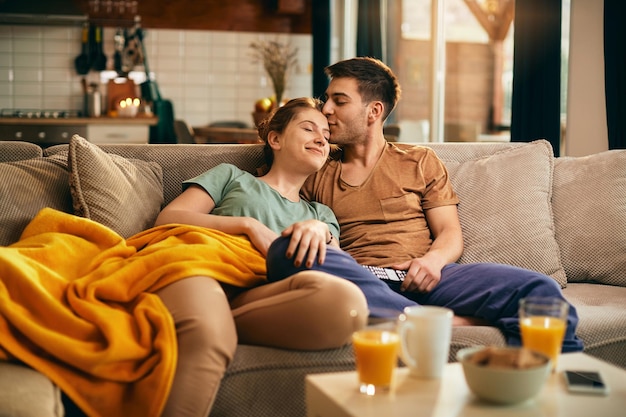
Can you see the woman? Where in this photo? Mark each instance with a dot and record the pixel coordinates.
(308, 310)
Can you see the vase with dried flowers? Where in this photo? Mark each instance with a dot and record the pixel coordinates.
(278, 59)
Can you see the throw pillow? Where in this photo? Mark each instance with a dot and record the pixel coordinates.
(27, 187)
(13, 150)
(123, 194)
(589, 204)
(505, 209)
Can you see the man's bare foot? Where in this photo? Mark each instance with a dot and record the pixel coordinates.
(468, 321)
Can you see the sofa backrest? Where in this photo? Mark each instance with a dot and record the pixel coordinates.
(11, 151)
(29, 183)
(505, 191)
(519, 204)
(181, 162)
(466, 151)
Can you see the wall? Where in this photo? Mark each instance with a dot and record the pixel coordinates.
(209, 75)
(586, 131)
(468, 82)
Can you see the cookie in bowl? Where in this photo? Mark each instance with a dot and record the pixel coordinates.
(504, 375)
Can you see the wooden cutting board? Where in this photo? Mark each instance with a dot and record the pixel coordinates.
(117, 91)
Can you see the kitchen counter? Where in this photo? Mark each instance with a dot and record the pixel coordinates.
(104, 120)
(52, 131)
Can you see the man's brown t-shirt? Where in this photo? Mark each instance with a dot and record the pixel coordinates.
(382, 221)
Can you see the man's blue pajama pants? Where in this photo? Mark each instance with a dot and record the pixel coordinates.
(486, 291)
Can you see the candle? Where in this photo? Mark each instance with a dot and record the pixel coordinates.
(128, 107)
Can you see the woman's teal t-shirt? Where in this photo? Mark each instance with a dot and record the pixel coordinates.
(239, 193)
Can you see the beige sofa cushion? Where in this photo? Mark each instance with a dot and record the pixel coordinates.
(27, 187)
(123, 194)
(602, 320)
(589, 206)
(505, 209)
(11, 151)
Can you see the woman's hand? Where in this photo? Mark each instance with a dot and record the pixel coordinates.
(260, 235)
(308, 241)
(194, 205)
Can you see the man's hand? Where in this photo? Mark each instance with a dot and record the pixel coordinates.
(423, 274)
(308, 240)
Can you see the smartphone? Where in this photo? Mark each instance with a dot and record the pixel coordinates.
(585, 382)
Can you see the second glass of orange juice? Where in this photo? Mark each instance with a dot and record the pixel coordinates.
(376, 356)
(542, 324)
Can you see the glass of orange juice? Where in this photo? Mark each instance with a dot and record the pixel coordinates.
(542, 324)
(376, 351)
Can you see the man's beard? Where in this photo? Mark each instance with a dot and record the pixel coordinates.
(342, 136)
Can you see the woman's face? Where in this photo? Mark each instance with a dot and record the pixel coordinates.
(304, 142)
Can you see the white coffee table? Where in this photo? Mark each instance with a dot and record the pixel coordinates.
(336, 395)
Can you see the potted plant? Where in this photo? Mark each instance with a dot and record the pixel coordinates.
(278, 59)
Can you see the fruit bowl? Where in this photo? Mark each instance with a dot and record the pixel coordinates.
(504, 382)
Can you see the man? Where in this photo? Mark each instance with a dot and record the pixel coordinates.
(397, 209)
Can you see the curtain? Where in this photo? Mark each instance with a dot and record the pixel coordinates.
(615, 72)
(535, 107)
(320, 28)
(368, 33)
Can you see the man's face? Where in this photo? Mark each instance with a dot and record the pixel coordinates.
(346, 112)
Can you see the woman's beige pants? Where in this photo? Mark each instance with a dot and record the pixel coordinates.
(310, 310)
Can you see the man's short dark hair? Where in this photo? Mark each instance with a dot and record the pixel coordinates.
(375, 80)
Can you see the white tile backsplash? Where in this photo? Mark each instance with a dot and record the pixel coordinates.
(28, 75)
(196, 64)
(208, 75)
(6, 89)
(27, 32)
(27, 102)
(27, 89)
(57, 102)
(60, 90)
(29, 45)
(26, 60)
(197, 37)
(6, 47)
(58, 46)
(56, 75)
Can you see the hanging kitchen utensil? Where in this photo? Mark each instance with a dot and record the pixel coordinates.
(92, 45)
(83, 84)
(163, 131)
(132, 54)
(81, 63)
(100, 60)
(119, 41)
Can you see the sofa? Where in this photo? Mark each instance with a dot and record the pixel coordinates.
(520, 205)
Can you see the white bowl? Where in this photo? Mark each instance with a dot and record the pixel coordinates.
(503, 385)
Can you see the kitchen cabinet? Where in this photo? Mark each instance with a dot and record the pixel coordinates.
(277, 16)
(116, 133)
(99, 130)
(43, 135)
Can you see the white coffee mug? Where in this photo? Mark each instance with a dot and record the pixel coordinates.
(425, 334)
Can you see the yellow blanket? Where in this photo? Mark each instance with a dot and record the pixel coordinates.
(76, 304)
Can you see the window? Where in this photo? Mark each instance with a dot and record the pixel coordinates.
(477, 66)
